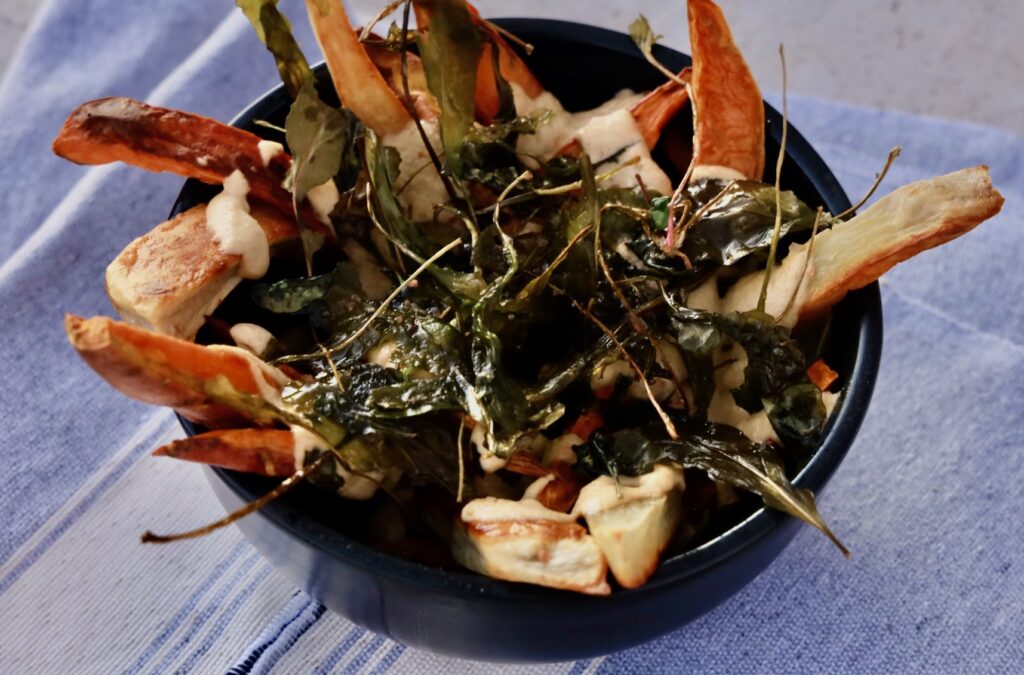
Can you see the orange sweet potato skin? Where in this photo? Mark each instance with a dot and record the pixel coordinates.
(160, 139)
(657, 109)
(269, 452)
(729, 120)
(163, 370)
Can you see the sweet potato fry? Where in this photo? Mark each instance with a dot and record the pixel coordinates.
(729, 112)
(269, 452)
(512, 67)
(159, 139)
(163, 370)
(852, 254)
(359, 84)
(657, 109)
(170, 278)
(389, 64)
(821, 375)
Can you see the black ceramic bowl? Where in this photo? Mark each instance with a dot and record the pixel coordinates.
(472, 616)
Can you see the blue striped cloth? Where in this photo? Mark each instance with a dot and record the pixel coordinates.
(929, 498)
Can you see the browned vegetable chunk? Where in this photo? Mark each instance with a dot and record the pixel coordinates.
(170, 278)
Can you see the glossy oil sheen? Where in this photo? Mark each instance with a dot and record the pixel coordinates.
(472, 616)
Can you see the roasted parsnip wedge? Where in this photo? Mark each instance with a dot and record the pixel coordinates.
(852, 254)
(633, 522)
(163, 370)
(524, 541)
(169, 279)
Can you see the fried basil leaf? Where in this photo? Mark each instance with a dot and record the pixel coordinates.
(450, 51)
(319, 136)
(275, 32)
(381, 163)
(720, 450)
(740, 222)
(775, 378)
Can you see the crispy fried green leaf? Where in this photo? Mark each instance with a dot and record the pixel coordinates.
(741, 222)
(697, 341)
(644, 38)
(289, 296)
(403, 232)
(450, 52)
(774, 359)
(775, 378)
(797, 414)
(642, 34)
(579, 273)
(274, 31)
(318, 136)
(720, 450)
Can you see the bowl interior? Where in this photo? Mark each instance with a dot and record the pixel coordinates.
(585, 66)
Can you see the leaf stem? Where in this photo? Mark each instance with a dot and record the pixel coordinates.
(893, 154)
(669, 426)
(380, 308)
(773, 249)
(286, 485)
(411, 108)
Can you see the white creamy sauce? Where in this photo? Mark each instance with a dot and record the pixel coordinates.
(269, 380)
(323, 198)
(703, 171)
(235, 231)
(493, 510)
(536, 487)
(304, 442)
(489, 461)
(602, 493)
(419, 186)
(375, 283)
(252, 337)
(268, 151)
(203, 160)
(358, 487)
(602, 132)
(561, 449)
(829, 400)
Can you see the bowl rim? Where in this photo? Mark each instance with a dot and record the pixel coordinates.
(838, 437)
